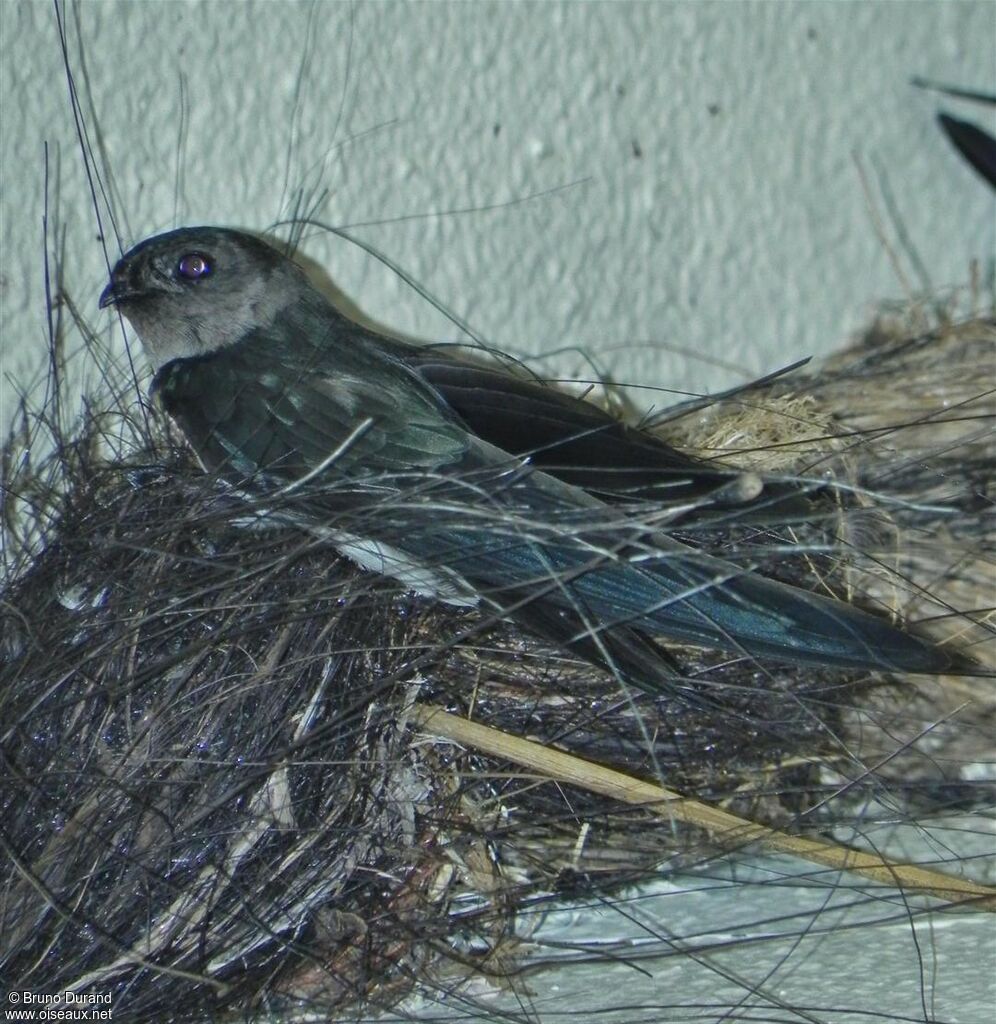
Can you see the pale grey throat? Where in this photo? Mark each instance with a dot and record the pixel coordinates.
(233, 315)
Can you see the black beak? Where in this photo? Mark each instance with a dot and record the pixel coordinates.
(124, 286)
(109, 296)
(118, 291)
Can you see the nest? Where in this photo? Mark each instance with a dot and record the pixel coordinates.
(241, 775)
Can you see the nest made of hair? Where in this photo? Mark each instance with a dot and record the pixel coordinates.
(216, 794)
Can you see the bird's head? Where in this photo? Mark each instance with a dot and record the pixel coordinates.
(196, 290)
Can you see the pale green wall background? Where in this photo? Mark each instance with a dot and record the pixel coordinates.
(721, 230)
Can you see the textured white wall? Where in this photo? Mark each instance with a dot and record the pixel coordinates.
(722, 229)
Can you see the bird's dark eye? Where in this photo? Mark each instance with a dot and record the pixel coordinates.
(194, 265)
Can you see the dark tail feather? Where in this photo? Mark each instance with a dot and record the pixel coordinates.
(704, 601)
(975, 145)
(621, 650)
(569, 595)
